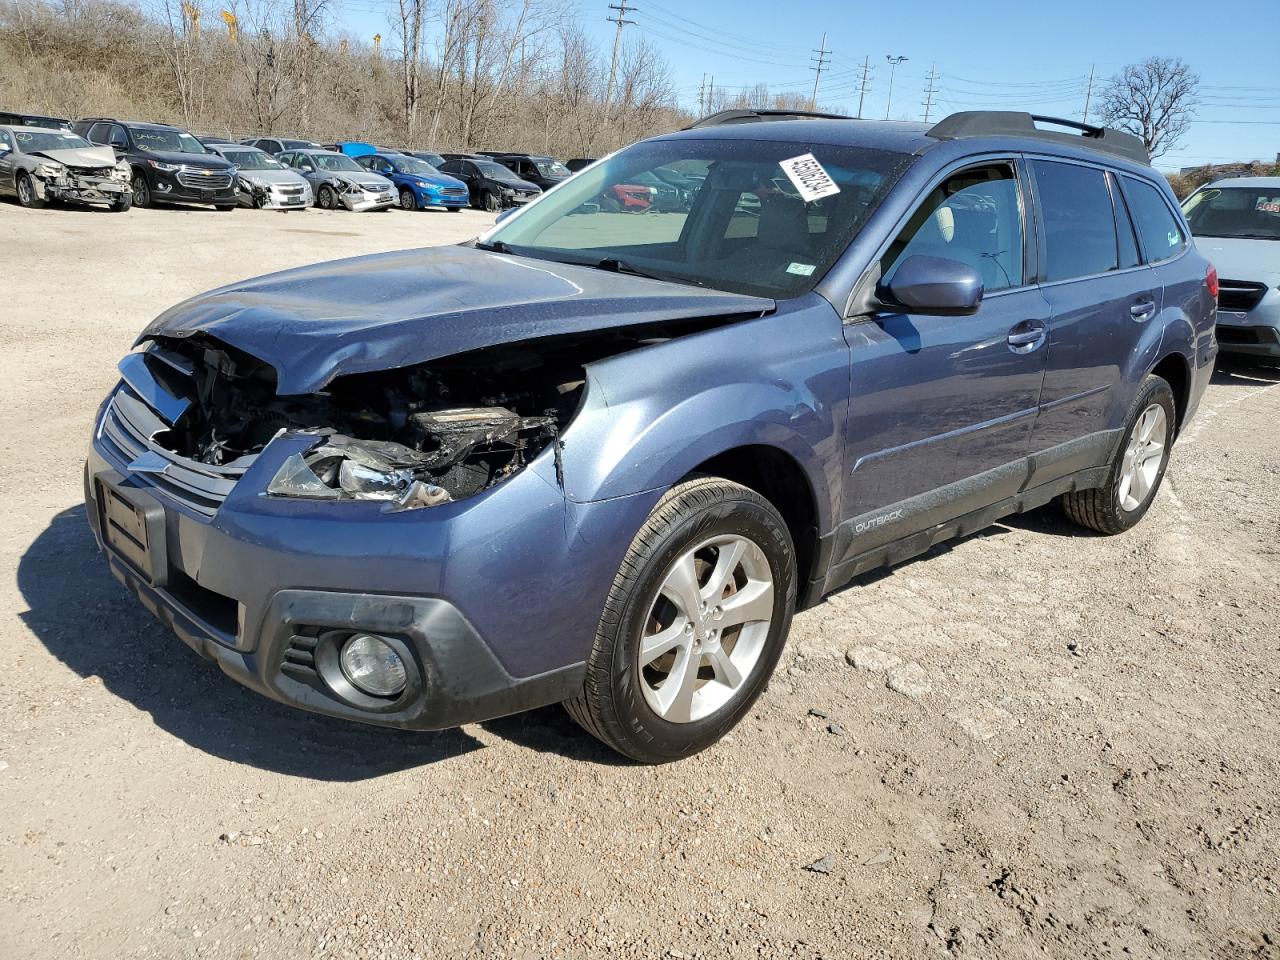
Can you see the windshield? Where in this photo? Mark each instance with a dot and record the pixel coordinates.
(761, 217)
(415, 166)
(167, 141)
(432, 158)
(552, 169)
(495, 171)
(51, 122)
(337, 161)
(1249, 213)
(253, 160)
(39, 142)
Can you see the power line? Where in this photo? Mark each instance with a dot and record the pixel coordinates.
(820, 63)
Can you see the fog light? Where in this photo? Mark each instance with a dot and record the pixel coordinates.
(372, 665)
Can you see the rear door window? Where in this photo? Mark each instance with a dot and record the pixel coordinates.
(1159, 231)
(1079, 221)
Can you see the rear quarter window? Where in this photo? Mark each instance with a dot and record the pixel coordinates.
(1159, 231)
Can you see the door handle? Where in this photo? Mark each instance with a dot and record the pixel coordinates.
(1026, 336)
(1143, 309)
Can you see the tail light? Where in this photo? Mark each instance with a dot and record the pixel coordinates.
(1211, 281)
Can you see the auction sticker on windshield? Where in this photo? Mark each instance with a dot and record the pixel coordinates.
(809, 178)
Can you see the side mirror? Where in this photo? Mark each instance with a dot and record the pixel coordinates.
(4, 147)
(935, 286)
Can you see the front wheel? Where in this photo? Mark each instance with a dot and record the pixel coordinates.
(407, 199)
(141, 192)
(326, 199)
(694, 624)
(27, 195)
(223, 207)
(491, 202)
(1137, 467)
(122, 202)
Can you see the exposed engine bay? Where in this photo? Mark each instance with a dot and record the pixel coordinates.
(415, 437)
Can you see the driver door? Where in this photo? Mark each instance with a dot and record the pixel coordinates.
(942, 407)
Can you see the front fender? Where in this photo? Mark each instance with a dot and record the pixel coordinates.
(651, 416)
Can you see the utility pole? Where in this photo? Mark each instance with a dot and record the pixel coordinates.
(702, 96)
(1088, 94)
(930, 91)
(820, 63)
(865, 85)
(621, 21)
(893, 66)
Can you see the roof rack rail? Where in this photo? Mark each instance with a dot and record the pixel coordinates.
(995, 123)
(753, 116)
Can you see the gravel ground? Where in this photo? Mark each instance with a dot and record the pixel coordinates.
(1032, 742)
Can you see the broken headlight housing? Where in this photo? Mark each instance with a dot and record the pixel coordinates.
(122, 171)
(50, 170)
(459, 452)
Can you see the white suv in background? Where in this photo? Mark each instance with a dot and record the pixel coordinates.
(1236, 223)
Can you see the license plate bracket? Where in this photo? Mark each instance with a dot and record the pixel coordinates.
(132, 526)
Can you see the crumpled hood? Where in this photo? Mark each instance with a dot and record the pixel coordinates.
(1237, 259)
(393, 310)
(360, 179)
(82, 156)
(283, 177)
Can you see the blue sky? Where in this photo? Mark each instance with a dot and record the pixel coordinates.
(1032, 56)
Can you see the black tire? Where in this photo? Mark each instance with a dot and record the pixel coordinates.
(612, 706)
(326, 199)
(141, 191)
(407, 200)
(122, 203)
(27, 195)
(223, 208)
(491, 203)
(1101, 508)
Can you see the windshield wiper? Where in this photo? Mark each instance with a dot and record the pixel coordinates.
(621, 266)
(494, 246)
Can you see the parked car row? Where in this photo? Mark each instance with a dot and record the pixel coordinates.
(128, 163)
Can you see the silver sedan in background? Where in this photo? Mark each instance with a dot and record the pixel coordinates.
(262, 181)
(338, 181)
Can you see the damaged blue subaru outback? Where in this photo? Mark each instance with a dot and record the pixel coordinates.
(601, 455)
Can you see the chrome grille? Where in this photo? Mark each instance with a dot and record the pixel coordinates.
(198, 179)
(127, 431)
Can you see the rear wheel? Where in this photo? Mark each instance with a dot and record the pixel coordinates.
(27, 195)
(1137, 467)
(694, 624)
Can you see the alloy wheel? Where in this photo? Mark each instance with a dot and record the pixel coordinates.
(706, 628)
(1143, 456)
(25, 191)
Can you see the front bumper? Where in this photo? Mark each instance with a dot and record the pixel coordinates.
(427, 198)
(363, 200)
(272, 198)
(497, 616)
(1253, 332)
(86, 189)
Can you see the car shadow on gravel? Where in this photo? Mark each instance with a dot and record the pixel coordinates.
(550, 730)
(93, 625)
(1242, 371)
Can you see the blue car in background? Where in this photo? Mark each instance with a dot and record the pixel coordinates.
(420, 184)
(601, 458)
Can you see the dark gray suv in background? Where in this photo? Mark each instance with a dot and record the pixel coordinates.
(602, 458)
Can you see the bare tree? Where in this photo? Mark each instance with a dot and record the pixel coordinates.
(411, 59)
(1154, 100)
(179, 44)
